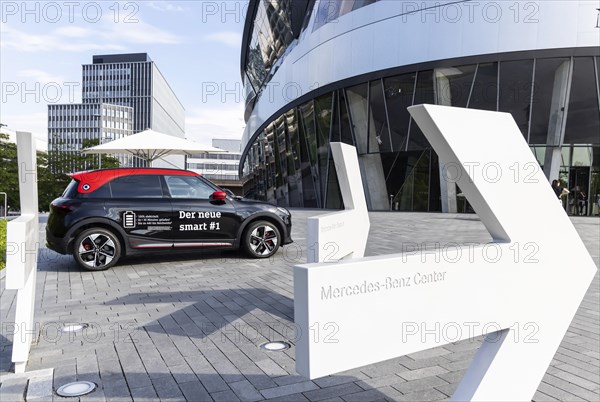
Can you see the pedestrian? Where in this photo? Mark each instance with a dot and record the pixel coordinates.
(581, 202)
(556, 188)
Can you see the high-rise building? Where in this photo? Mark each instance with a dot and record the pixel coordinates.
(122, 94)
(346, 70)
(69, 125)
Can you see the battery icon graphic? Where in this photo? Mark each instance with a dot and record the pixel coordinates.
(129, 219)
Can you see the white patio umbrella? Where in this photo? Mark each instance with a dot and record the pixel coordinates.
(151, 145)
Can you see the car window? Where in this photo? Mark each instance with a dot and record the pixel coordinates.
(102, 192)
(188, 187)
(136, 186)
(71, 190)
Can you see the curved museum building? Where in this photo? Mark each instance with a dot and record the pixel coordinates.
(346, 70)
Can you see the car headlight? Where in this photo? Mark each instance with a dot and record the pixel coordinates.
(284, 211)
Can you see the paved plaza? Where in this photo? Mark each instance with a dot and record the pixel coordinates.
(188, 328)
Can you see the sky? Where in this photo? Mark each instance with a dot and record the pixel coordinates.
(195, 44)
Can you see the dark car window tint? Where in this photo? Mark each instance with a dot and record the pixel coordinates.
(102, 192)
(71, 190)
(188, 187)
(136, 186)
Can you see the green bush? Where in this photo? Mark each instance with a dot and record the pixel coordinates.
(2, 243)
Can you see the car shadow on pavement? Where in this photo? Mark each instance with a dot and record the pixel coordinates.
(49, 260)
(213, 310)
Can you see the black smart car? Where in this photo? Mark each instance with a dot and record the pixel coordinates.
(105, 214)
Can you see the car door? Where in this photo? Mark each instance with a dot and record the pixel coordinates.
(198, 220)
(139, 206)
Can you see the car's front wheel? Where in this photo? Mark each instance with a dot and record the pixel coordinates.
(96, 249)
(262, 239)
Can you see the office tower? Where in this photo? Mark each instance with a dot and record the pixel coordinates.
(122, 94)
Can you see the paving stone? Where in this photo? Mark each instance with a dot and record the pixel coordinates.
(39, 387)
(330, 392)
(426, 395)
(422, 373)
(558, 393)
(380, 394)
(419, 385)
(224, 396)
(570, 388)
(290, 398)
(13, 389)
(144, 394)
(116, 390)
(197, 321)
(245, 391)
(378, 382)
(288, 389)
(166, 387)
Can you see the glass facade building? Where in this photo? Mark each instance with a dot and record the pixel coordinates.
(553, 93)
(132, 84)
(69, 125)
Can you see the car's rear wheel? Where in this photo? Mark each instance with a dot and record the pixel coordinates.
(262, 239)
(96, 249)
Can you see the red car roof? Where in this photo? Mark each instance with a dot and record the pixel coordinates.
(91, 180)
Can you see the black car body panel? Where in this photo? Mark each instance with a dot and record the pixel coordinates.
(154, 209)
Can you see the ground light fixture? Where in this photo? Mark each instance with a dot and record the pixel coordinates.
(74, 327)
(275, 346)
(77, 388)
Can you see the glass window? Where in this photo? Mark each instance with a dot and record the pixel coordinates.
(582, 156)
(454, 85)
(399, 93)
(423, 94)
(330, 10)
(357, 104)
(188, 187)
(335, 122)
(515, 91)
(484, 95)
(323, 106)
(102, 192)
(334, 195)
(308, 156)
(583, 120)
(548, 73)
(345, 125)
(379, 133)
(271, 35)
(137, 186)
(293, 160)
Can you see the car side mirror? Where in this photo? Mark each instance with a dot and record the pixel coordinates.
(218, 196)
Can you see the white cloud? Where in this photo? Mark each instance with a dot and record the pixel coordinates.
(204, 124)
(35, 123)
(40, 76)
(228, 38)
(74, 32)
(140, 33)
(164, 6)
(106, 35)
(56, 40)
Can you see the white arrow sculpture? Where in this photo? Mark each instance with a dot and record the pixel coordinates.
(342, 234)
(517, 289)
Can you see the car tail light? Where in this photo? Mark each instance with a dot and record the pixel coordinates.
(219, 196)
(61, 207)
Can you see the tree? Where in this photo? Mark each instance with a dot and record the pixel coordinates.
(50, 185)
(9, 175)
